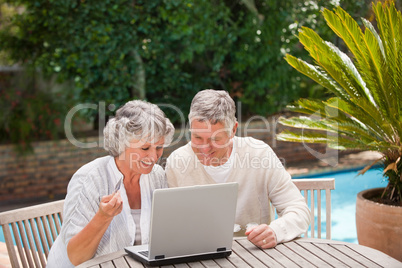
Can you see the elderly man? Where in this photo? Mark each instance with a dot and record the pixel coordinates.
(215, 155)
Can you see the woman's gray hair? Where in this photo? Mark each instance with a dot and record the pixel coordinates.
(138, 120)
(214, 106)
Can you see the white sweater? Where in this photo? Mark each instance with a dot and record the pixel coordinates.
(85, 190)
(262, 179)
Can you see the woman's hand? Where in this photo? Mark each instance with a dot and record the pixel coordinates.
(262, 236)
(111, 205)
(83, 245)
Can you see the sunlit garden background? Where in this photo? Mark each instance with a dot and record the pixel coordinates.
(57, 55)
(162, 51)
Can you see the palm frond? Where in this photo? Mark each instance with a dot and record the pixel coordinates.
(339, 142)
(334, 62)
(370, 59)
(339, 66)
(304, 122)
(306, 106)
(389, 24)
(365, 48)
(366, 112)
(387, 20)
(373, 72)
(375, 124)
(335, 142)
(349, 31)
(348, 129)
(314, 73)
(330, 112)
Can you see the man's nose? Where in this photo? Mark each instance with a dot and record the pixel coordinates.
(205, 148)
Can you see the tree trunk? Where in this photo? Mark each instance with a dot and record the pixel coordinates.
(138, 89)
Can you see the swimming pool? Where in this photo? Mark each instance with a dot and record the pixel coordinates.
(343, 199)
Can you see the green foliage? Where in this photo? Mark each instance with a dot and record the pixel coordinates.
(163, 50)
(366, 111)
(29, 113)
(185, 46)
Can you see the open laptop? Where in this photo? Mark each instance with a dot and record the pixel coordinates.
(189, 224)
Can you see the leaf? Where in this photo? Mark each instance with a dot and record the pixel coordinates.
(391, 166)
(377, 126)
(304, 122)
(333, 141)
(314, 73)
(366, 168)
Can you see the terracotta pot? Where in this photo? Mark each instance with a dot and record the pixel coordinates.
(379, 226)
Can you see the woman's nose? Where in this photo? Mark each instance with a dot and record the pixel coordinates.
(153, 155)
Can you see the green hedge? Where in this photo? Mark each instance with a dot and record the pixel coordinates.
(167, 50)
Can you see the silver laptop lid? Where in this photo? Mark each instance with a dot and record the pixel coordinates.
(192, 220)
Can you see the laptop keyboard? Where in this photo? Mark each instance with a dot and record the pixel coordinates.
(144, 253)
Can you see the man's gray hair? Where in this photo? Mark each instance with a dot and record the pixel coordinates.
(138, 120)
(214, 106)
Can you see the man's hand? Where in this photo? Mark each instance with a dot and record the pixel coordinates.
(262, 236)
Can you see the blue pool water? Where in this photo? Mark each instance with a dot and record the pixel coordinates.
(1, 235)
(343, 199)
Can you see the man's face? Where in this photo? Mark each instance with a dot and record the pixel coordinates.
(211, 143)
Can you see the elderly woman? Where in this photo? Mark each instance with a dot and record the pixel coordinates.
(97, 218)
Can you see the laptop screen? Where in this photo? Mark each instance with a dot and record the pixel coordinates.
(192, 220)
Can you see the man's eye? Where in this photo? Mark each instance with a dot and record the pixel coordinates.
(145, 149)
(159, 148)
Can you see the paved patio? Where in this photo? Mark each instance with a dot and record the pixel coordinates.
(343, 162)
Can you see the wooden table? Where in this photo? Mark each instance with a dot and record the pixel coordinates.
(301, 252)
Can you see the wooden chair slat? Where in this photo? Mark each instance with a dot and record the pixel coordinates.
(34, 230)
(328, 214)
(42, 236)
(61, 216)
(31, 246)
(47, 230)
(24, 243)
(311, 185)
(312, 212)
(319, 214)
(51, 225)
(10, 245)
(306, 199)
(38, 249)
(57, 222)
(18, 244)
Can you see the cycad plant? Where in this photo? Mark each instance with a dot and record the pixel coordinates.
(365, 112)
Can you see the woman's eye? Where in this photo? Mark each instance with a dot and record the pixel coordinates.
(145, 149)
(159, 148)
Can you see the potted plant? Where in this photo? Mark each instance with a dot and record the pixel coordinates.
(364, 113)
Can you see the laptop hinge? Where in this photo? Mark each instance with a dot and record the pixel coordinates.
(159, 257)
(221, 249)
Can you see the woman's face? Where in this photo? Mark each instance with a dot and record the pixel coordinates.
(141, 156)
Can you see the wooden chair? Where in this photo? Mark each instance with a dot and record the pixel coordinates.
(309, 187)
(34, 230)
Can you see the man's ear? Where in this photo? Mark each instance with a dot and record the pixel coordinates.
(234, 129)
